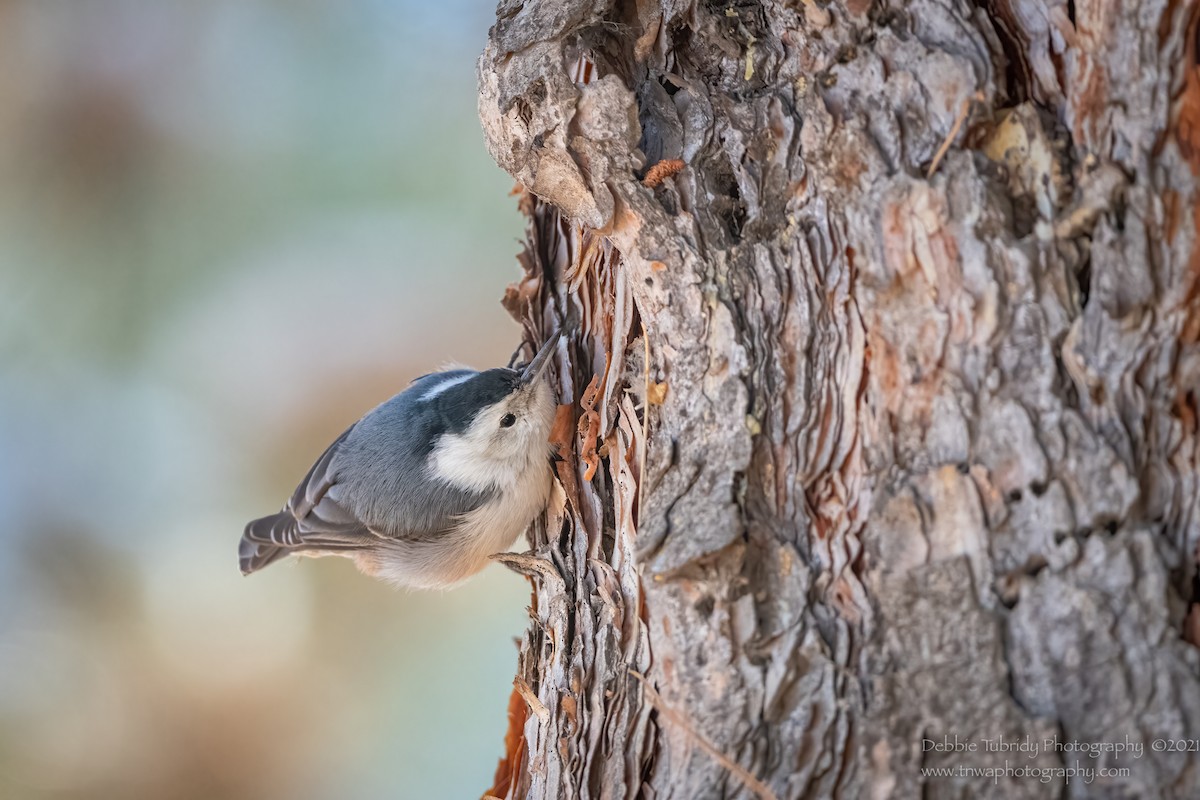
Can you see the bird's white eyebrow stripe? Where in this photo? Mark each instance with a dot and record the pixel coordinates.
(446, 384)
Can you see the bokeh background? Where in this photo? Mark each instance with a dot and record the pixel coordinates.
(227, 229)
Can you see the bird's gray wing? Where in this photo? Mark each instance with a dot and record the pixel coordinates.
(313, 519)
(388, 503)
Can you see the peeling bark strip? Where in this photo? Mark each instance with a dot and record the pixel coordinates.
(881, 418)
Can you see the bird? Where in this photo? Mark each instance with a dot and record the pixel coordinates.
(422, 490)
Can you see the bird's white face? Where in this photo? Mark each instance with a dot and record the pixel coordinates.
(506, 440)
(515, 427)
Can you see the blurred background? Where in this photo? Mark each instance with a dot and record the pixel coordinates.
(227, 229)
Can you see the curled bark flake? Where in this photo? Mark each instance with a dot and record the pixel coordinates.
(661, 171)
(589, 429)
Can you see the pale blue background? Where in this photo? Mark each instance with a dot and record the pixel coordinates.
(227, 229)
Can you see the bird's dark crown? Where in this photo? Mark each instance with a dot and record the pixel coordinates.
(459, 404)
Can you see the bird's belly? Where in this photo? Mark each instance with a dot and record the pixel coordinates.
(460, 553)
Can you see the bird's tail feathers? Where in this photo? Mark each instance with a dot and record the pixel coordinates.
(270, 538)
(266, 540)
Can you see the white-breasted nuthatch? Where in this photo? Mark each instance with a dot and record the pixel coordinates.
(428, 485)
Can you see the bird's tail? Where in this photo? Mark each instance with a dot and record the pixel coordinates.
(266, 540)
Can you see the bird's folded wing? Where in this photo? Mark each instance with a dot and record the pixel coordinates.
(313, 519)
(318, 480)
(318, 518)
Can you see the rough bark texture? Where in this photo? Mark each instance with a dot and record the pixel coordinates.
(914, 451)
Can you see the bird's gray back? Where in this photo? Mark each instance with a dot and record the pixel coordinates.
(388, 446)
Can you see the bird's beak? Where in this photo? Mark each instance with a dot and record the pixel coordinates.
(534, 369)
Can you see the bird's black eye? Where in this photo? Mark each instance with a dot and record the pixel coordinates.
(508, 420)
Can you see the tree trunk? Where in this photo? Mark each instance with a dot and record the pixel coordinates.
(880, 436)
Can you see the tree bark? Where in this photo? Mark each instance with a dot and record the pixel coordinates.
(880, 407)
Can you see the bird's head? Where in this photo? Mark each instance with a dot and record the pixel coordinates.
(497, 423)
